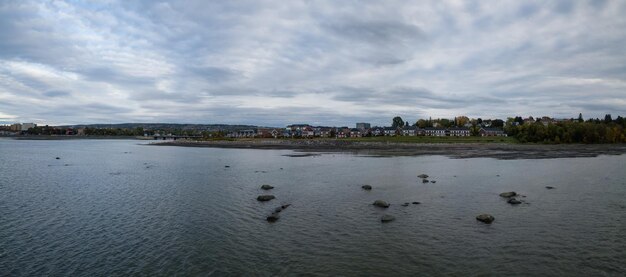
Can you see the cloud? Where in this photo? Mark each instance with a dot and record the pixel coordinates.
(323, 62)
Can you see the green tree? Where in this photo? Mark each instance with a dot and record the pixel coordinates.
(397, 122)
(580, 117)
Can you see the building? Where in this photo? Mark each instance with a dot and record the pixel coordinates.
(491, 132)
(410, 131)
(459, 132)
(355, 133)
(390, 131)
(26, 126)
(16, 127)
(363, 126)
(435, 132)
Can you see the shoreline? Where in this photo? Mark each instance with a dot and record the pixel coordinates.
(503, 151)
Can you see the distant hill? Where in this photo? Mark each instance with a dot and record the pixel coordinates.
(165, 126)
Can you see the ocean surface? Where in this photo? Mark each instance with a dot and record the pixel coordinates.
(119, 208)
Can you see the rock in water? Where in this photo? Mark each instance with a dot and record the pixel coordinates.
(425, 181)
(58, 158)
(508, 194)
(486, 218)
(416, 203)
(266, 187)
(366, 187)
(423, 176)
(381, 203)
(514, 201)
(405, 204)
(227, 166)
(433, 181)
(549, 187)
(387, 218)
(273, 217)
(265, 198)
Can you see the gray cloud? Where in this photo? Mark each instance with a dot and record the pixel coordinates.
(324, 62)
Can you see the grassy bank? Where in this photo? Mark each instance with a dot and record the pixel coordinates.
(428, 139)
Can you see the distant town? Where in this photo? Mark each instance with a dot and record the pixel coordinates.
(540, 129)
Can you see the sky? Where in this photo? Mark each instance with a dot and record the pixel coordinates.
(273, 63)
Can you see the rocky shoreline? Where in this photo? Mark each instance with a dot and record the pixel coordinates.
(502, 151)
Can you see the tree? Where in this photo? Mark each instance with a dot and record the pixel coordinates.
(580, 117)
(461, 120)
(397, 122)
(608, 119)
(497, 123)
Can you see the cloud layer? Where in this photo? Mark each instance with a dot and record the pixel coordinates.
(320, 62)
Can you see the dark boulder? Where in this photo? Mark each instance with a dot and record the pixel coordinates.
(508, 194)
(387, 218)
(425, 181)
(433, 181)
(366, 187)
(57, 158)
(416, 203)
(514, 201)
(381, 203)
(273, 217)
(265, 197)
(550, 187)
(266, 187)
(423, 176)
(486, 218)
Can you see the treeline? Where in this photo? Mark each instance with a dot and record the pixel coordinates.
(573, 131)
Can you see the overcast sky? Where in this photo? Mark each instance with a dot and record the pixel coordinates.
(319, 62)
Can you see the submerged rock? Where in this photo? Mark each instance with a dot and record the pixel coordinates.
(550, 187)
(366, 187)
(486, 218)
(266, 187)
(387, 218)
(425, 181)
(423, 176)
(508, 194)
(433, 181)
(273, 217)
(57, 158)
(281, 208)
(416, 203)
(381, 203)
(514, 201)
(227, 166)
(405, 204)
(263, 198)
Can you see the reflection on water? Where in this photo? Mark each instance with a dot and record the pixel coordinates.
(120, 208)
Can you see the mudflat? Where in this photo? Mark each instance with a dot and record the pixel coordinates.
(504, 151)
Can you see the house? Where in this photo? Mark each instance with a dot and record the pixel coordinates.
(390, 131)
(459, 132)
(325, 132)
(307, 132)
(377, 131)
(249, 133)
(410, 131)
(355, 133)
(491, 132)
(434, 132)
